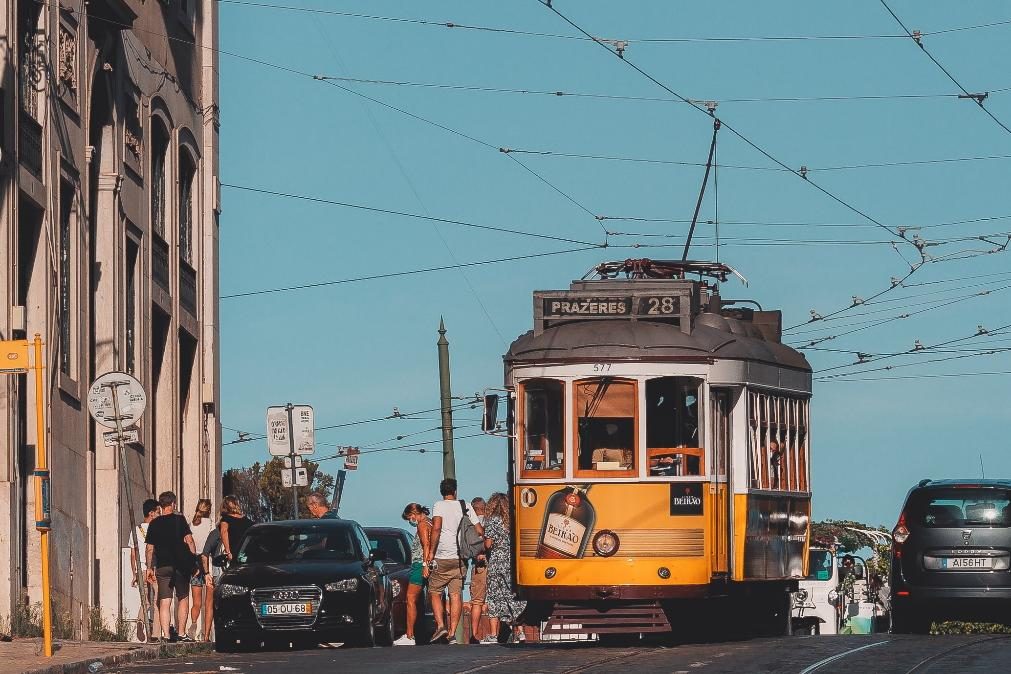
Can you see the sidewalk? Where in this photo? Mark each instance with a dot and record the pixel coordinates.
(73, 657)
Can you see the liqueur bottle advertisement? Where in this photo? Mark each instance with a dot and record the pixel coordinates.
(569, 517)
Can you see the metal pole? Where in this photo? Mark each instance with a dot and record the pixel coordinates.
(446, 402)
(141, 581)
(291, 456)
(41, 475)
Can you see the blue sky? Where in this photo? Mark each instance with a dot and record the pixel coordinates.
(355, 351)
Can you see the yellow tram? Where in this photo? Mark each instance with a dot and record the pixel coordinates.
(659, 465)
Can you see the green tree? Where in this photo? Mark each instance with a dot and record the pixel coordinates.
(278, 498)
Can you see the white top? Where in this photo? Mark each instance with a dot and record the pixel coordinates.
(141, 538)
(201, 532)
(451, 515)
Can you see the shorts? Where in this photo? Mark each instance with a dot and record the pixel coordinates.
(417, 576)
(172, 581)
(478, 584)
(448, 573)
(197, 580)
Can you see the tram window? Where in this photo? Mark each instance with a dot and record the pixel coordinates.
(605, 426)
(541, 426)
(778, 442)
(673, 432)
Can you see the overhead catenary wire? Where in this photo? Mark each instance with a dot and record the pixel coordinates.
(918, 39)
(408, 272)
(632, 40)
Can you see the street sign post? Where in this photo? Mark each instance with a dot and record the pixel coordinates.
(291, 434)
(116, 400)
(338, 490)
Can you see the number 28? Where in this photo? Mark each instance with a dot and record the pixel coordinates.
(660, 305)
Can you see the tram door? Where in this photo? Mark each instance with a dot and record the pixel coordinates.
(720, 520)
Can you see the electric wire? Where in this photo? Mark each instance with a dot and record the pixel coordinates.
(407, 272)
(403, 214)
(978, 99)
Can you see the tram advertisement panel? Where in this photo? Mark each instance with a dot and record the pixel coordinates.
(612, 533)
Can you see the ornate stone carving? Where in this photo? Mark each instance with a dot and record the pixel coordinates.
(133, 143)
(67, 65)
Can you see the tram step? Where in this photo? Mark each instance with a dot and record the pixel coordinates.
(628, 619)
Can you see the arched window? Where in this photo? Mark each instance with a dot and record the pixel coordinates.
(159, 178)
(187, 174)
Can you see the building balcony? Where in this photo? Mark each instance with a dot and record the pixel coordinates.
(30, 145)
(188, 288)
(160, 264)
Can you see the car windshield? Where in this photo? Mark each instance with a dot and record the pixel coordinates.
(819, 565)
(273, 544)
(959, 507)
(392, 545)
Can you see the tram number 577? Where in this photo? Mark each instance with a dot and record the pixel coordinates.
(601, 367)
(659, 306)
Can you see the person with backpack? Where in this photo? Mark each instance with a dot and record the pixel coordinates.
(457, 537)
(170, 541)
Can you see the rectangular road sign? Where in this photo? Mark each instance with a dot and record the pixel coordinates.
(278, 443)
(288, 461)
(301, 478)
(14, 356)
(129, 435)
(351, 458)
(303, 419)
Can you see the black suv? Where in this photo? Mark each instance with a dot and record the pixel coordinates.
(951, 552)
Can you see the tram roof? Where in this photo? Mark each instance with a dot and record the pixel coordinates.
(712, 336)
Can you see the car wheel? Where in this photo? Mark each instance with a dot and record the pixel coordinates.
(384, 633)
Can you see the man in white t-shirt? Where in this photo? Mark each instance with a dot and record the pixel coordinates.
(447, 570)
(151, 510)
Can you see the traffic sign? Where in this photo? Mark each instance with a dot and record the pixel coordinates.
(301, 478)
(351, 458)
(130, 396)
(279, 433)
(129, 435)
(278, 443)
(288, 462)
(14, 356)
(303, 419)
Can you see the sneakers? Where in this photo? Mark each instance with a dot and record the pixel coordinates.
(404, 641)
(473, 641)
(490, 639)
(451, 641)
(439, 634)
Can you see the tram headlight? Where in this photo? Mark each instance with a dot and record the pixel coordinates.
(833, 596)
(663, 572)
(606, 543)
(800, 597)
(550, 572)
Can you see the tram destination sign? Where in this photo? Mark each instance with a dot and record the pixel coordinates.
(555, 307)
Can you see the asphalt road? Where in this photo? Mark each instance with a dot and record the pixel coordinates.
(798, 655)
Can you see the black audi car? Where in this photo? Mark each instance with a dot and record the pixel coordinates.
(396, 543)
(304, 581)
(951, 556)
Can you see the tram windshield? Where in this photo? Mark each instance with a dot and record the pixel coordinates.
(541, 424)
(605, 424)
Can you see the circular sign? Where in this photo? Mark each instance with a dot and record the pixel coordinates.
(130, 397)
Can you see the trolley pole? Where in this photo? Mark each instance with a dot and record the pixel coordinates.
(291, 440)
(42, 495)
(446, 403)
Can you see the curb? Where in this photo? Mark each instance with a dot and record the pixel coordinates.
(139, 654)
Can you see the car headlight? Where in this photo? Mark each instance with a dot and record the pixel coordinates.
(395, 588)
(346, 585)
(225, 590)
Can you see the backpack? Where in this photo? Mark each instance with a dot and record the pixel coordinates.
(469, 542)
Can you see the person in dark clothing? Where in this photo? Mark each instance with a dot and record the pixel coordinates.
(318, 507)
(233, 526)
(170, 541)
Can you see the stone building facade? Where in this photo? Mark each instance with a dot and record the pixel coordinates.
(108, 249)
